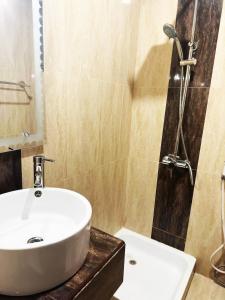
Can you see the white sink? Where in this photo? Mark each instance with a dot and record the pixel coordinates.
(62, 219)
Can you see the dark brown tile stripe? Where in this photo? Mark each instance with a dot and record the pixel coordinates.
(168, 238)
(174, 194)
(10, 171)
(183, 28)
(207, 27)
(172, 208)
(193, 123)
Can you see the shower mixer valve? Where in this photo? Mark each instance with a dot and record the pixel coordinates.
(172, 160)
(175, 161)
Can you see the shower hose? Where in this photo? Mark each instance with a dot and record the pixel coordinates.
(223, 225)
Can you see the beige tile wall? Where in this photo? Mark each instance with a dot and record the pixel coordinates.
(148, 108)
(102, 60)
(204, 288)
(90, 50)
(204, 232)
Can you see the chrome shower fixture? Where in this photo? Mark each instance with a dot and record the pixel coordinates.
(170, 31)
(173, 159)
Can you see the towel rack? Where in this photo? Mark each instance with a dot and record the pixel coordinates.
(21, 84)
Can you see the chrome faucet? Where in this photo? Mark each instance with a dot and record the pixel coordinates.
(39, 161)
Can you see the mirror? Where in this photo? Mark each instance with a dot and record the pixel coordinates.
(21, 65)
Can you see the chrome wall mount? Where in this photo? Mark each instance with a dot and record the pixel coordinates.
(188, 62)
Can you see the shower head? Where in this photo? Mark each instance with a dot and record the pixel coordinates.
(170, 31)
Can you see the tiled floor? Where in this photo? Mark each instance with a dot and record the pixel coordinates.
(203, 288)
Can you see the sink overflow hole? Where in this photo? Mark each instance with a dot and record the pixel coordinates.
(35, 239)
(37, 194)
(132, 262)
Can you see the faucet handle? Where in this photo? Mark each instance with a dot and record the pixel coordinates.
(39, 159)
(48, 159)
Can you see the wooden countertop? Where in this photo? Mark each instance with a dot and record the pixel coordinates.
(98, 278)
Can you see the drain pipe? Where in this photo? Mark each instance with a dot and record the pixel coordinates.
(220, 269)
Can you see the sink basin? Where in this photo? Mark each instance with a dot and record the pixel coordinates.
(44, 239)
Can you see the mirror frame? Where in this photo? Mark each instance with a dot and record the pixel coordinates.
(37, 138)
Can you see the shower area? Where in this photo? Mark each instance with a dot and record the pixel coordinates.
(187, 98)
(145, 257)
(167, 196)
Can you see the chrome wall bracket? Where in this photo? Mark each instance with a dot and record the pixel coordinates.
(188, 62)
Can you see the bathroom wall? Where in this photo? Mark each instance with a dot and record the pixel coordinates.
(90, 51)
(148, 109)
(107, 70)
(204, 232)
